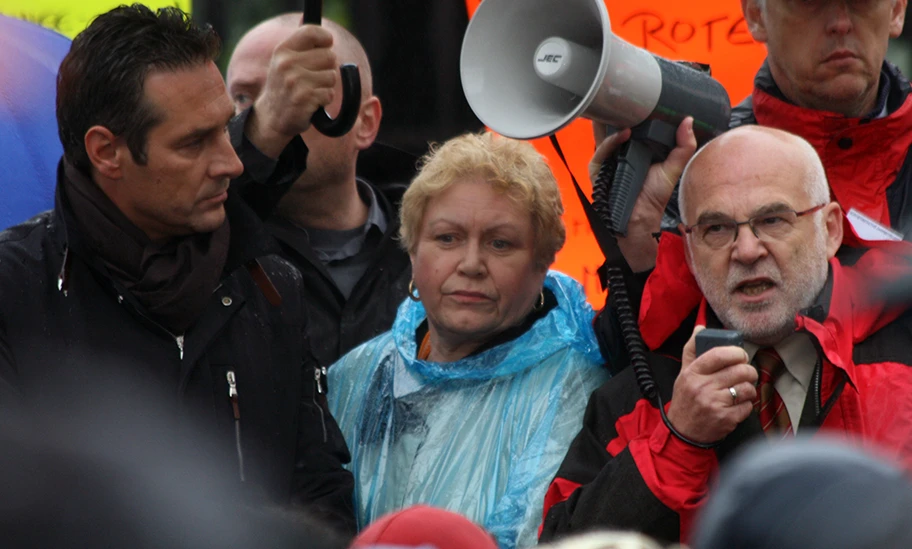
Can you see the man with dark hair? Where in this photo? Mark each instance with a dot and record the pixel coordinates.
(335, 224)
(152, 276)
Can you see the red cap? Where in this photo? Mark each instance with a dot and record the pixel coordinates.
(423, 525)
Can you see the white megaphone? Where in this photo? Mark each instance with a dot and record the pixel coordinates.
(530, 67)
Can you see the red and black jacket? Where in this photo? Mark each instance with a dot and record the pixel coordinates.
(625, 470)
(868, 165)
(869, 168)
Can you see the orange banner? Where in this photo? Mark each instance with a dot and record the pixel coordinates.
(705, 31)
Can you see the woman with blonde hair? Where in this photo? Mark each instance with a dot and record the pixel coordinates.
(470, 402)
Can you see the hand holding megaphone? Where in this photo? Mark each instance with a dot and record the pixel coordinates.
(640, 246)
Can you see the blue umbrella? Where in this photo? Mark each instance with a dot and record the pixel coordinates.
(29, 146)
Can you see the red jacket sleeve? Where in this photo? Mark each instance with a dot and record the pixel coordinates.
(670, 295)
(625, 470)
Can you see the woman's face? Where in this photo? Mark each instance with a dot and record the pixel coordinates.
(474, 263)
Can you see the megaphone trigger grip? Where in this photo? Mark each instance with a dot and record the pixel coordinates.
(650, 141)
(658, 134)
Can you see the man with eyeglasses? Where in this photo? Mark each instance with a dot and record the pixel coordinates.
(826, 79)
(821, 354)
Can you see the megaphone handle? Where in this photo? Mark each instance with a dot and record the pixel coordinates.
(351, 86)
(632, 164)
(649, 141)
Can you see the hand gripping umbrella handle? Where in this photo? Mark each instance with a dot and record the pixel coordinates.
(351, 86)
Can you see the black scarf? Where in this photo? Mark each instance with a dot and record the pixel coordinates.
(172, 280)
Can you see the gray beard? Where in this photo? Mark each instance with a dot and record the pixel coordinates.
(809, 275)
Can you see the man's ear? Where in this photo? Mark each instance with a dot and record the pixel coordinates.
(898, 17)
(753, 15)
(368, 122)
(832, 216)
(105, 151)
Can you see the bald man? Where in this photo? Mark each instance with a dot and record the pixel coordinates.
(825, 79)
(337, 228)
(761, 238)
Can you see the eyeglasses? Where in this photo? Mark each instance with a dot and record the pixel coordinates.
(766, 227)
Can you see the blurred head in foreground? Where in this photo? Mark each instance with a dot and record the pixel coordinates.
(610, 540)
(806, 495)
(113, 475)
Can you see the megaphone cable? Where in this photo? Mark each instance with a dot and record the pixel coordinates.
(617, 286)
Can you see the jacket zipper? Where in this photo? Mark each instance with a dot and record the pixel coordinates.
(232, 391)
(178, 339)
(817, 374)
(816, 380)
(63, 276)
(319, 374)
(233, 397)
(180, 345)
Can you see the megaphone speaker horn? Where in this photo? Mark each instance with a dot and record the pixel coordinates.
(530, 67)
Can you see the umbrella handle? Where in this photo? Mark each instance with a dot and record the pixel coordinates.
(351, 86)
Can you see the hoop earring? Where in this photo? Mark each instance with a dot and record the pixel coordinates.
(411, 291)
(541, 301)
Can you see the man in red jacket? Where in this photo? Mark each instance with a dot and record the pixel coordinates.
(825, 79)
(761, 239)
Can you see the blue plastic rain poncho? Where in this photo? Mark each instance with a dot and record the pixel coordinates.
(482, 436)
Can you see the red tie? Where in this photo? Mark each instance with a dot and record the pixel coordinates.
(773, 414)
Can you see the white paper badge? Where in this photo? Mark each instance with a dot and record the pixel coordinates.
(868, 229)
